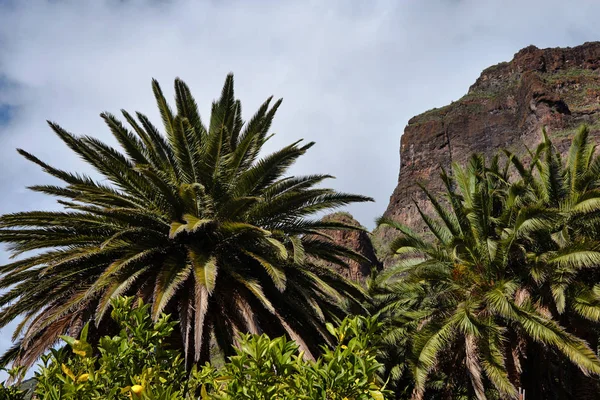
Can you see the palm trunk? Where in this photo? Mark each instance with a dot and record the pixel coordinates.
(584, 387)
(513, 365)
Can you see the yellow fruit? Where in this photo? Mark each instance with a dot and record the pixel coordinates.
(137, 389)
(67, 371)
(83, 378)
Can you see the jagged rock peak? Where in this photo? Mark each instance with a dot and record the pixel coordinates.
(532, 59)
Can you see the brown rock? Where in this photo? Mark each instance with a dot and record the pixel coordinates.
(356, 240)
(505, 108)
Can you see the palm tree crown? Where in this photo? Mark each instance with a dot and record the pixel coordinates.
(509, 268)
(191, 220)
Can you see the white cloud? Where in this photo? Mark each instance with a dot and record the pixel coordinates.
(351, 72)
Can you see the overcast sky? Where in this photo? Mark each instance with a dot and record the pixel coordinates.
(351, 73)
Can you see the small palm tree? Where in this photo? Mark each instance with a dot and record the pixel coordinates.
(474, 284)
(400, 306)
(192, 221)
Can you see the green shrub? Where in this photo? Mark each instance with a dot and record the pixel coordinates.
(134, 364)
(275, 369)
(138, 364)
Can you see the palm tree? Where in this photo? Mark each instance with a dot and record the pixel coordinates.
(399, 306)
(192, 221)
(481, 306)
(570, 291)
(569, 196)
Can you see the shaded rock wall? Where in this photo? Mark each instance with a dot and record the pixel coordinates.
(359, 241)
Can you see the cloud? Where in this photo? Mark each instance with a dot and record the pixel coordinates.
(351, 72)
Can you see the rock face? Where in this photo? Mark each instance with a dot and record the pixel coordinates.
(505, 108)
(358, 241)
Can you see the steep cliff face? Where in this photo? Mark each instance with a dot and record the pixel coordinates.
(505, 108)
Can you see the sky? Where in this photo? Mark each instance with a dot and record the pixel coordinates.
(351, 73)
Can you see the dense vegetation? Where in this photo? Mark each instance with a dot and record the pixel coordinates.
(501, 293)
(137, 364)
(506, 293)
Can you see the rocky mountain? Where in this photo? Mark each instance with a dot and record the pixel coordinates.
(506, 107)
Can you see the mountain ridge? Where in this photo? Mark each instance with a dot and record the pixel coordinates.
(506, 107)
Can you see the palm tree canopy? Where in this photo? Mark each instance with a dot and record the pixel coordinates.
(193, 220)
(508, 267)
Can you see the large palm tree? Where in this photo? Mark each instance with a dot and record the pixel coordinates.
(481, 303)
(568, 190)
(567, 197)
(191, 220)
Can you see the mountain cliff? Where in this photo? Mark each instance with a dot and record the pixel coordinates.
(506, 107)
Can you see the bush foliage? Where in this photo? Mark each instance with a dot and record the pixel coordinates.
(138, 364)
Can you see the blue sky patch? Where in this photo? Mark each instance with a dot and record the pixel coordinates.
(5, 113)
(6, 110)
